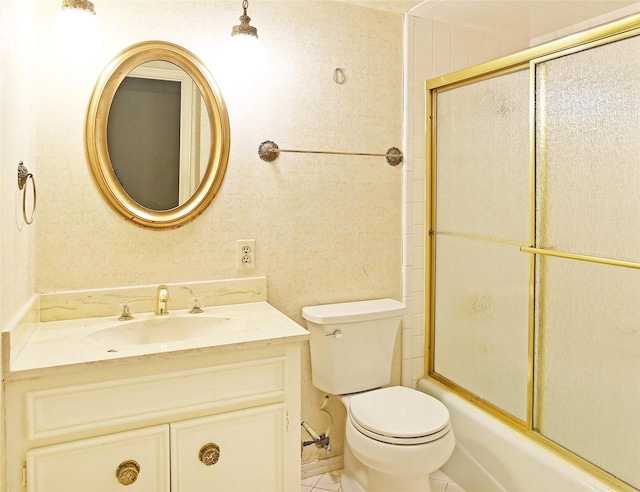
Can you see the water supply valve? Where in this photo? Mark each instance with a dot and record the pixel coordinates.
(321, 441)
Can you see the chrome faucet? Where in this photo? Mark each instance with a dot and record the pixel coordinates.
(162, 298)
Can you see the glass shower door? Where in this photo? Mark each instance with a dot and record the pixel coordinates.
(534, 245)
(481, 277)
(587, 391)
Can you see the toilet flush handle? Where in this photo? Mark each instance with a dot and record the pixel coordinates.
(336, 334)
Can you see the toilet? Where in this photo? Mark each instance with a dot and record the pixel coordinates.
(395, 436)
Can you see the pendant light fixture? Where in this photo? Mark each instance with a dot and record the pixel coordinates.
(246, 49)
(244, 29)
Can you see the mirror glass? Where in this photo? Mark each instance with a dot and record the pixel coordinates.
(157, 135)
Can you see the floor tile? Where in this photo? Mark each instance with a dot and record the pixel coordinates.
(311, 481)
(329, 481)
(439, 475)
(453, 487)
(438, 485)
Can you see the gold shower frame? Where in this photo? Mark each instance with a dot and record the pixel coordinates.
(529, 58)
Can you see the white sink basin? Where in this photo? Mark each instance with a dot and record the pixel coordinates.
(162, 329)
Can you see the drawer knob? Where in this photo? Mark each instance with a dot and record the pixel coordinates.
(127, 472)
(209, 454)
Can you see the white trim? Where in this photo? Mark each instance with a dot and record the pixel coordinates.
(321, 466)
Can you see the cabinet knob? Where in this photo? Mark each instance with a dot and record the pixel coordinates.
(209, 454)
(127, 472)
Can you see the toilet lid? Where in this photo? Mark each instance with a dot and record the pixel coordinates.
(399, 415)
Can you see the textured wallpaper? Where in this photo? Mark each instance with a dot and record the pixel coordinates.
(327, 228)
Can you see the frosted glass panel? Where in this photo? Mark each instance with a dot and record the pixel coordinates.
(588, 148)
(482, 148)
(586, 388)
(588, 362)
(481, 312)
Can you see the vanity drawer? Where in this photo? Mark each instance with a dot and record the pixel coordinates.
(118, 403)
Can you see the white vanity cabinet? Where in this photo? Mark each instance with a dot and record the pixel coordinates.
(207, 421)
(224, 452)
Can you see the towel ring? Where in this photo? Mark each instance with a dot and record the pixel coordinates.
(25, 176)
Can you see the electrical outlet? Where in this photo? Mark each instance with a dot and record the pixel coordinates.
(245, 254)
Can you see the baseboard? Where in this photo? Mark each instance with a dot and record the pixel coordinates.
(322, 466)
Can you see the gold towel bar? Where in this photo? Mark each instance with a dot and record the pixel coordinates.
(572, 256)
(540, 251)
(269, 151)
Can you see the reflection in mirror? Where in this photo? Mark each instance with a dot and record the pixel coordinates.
(157, 135)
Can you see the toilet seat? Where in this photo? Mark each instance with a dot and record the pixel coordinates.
(399, 415)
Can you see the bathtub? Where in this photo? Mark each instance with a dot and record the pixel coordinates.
(492, 457)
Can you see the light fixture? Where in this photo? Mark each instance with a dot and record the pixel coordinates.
(246, 49)
(244, 28)
(77, 27)
(83, 5)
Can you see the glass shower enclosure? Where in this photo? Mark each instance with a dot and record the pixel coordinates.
(534, 244)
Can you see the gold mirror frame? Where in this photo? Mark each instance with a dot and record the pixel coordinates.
(96, 135)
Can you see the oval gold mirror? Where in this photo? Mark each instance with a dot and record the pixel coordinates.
(157, 135)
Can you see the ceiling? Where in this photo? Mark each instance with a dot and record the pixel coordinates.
(521, 18)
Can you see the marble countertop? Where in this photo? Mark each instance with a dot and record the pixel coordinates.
(50, 347)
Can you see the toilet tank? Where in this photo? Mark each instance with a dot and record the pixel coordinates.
(352, 344)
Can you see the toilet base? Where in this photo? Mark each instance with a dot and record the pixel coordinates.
(356, 477)
(384, 482)
(354, 474)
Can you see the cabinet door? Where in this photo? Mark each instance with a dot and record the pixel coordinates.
(93, 464)
(239, 451)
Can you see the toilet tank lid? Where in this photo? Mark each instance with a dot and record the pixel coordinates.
(345, 312)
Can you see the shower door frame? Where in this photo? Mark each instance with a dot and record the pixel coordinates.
(527, 59)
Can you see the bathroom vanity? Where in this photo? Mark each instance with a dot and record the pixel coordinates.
(218, 412)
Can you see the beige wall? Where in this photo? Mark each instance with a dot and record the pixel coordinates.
(17, 265)
(17, 143)
(327, 228)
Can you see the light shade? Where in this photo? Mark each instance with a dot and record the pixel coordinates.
(245, 49)
(76, 29)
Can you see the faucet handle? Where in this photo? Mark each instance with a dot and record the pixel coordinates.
(196, 309)
(125, 311)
